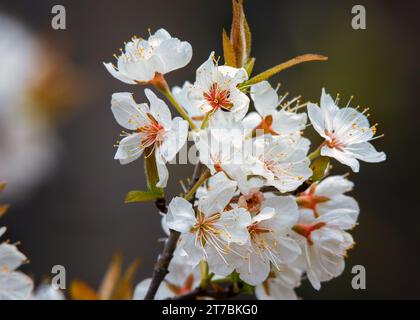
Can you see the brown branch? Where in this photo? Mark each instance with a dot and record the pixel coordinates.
(161, 267)
(160, 204)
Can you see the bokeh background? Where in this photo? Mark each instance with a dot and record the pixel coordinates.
(74, 214)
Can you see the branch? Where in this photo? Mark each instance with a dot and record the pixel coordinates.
(161, 267)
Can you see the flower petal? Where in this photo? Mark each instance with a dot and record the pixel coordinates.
(163, 172)
(251, 120)
(217, 199)
(175, 139)
(159, 110)
(316, 117)
(338, 202)
(10, 257)
(343, 157)
(180, 216)
(333, 186)
(162, 293)
(129, 148)
(366, 152)
(118, 75)
(234, 225)
(127, 112)
(274, 290)
(285, 122)
(255, 269)
(286, 210)
(174, 54)
(15, 286)
(206, 74)
(265, 98)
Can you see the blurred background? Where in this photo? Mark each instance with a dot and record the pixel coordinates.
(57, 131)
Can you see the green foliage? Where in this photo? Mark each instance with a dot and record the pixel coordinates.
(282, 66)
(319, 167)
(142, 196)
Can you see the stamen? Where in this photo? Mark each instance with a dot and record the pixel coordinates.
(218, 98)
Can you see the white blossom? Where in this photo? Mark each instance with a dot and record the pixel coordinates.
(210, 233)
(223, 147)
(215, 89)
(270, 241)
(141, 59)
(325, 243)
(181, 94)
(153, 128)
(282, 162)
(281, 284)
(346, 132)
(47, 292)
(326, 196)
(14, 285)
(268, 118)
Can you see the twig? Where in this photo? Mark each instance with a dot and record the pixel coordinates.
(160, 204)
(161, 267)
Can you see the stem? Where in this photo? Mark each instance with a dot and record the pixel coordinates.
(160, 83)
(206, 120)
(168, 94)
(204, 270)
(161, 267)
(150, 169)
(206, 174)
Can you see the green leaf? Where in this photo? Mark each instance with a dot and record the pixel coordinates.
(247, 288)
(142, 196)
(250, 66)
(151, 171)
(282, 66)
(319, 167)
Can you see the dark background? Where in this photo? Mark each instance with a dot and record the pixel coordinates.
(77, 217)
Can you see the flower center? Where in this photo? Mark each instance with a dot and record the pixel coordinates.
(332, 141)
(208, 232)
(271, 166)
(310, 200)
(153, 132)
(266, 126)
(306, 230)
(252, 201)
(254, 229)
(205, 225)
(217, 98)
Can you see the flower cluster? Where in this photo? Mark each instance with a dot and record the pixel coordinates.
(14, 284)
(263, 212)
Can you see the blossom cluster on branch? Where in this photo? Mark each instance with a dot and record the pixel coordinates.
(263, 212)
